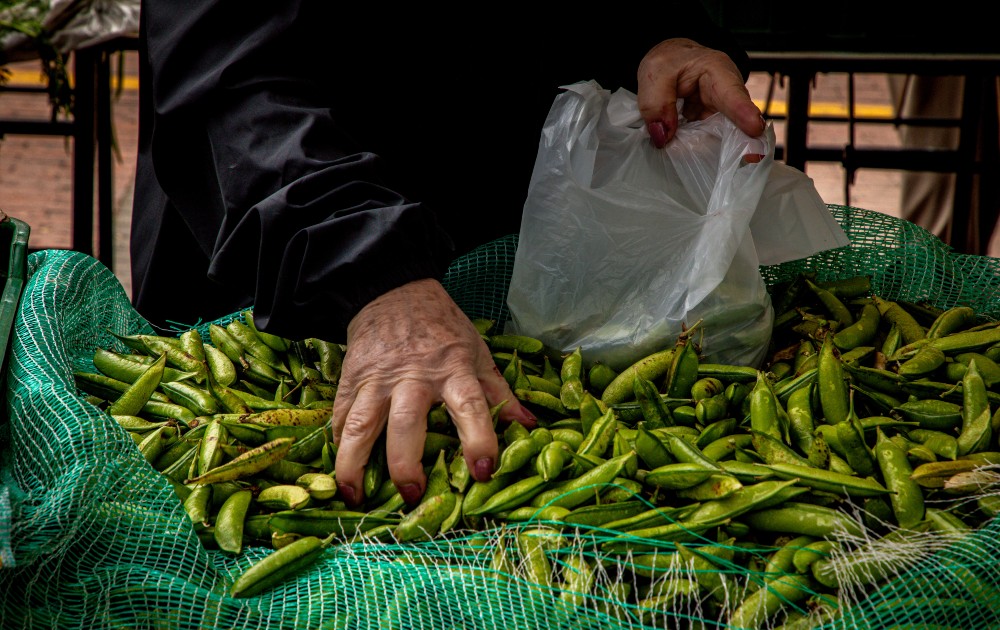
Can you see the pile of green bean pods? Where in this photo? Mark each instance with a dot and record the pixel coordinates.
(749, 493)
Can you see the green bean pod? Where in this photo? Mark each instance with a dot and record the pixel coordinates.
(804, 519)
(833, 305)
(601, 514)
(851, 438)
(424, 521)
(598, 440)
(254, 345)
(279, 565)
(157, 441)
(650, 367)
(138, 393)
(951, 320)
(655, 412)
(679, 475)
(249, 463)
(861, 332)
(831, 380)
(683, 372)
(893, 341)
(127, 368)
(942, 444)
(210, 452)
(275, 342)
(924, 361)
(976, 430)
(775, 451)
(571, 388)
(331, 358)
(831, 481)
(801, 423)
(599, 376)
(910, 329)
(198, 504)
(585, 487)
(229, 521)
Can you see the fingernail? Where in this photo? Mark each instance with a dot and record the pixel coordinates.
(658, 133)
(346, 491)
(483, 468)
(411, 493)
(763, 122)
(528, 419)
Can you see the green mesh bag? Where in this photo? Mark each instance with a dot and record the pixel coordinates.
(92, 537)
(905, 261)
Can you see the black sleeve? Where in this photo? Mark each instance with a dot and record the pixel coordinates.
(246, 149)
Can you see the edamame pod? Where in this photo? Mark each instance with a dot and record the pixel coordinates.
(247, 464)
(833, 389)
(279, 565)
(651, 367)
(228, 532)
(425, 520)
(133, 399)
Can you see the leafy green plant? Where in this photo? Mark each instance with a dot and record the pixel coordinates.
(26, 17)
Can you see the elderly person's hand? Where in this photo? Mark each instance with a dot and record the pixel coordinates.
(706, 79)
(408, 350)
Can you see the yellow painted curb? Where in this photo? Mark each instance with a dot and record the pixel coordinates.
(17, 77)
(779, 108)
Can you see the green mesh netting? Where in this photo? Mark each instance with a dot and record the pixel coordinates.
(478, 281)
(91, 536)
(904, 260)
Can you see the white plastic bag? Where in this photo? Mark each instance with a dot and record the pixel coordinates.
(792, 221)
(623, 245)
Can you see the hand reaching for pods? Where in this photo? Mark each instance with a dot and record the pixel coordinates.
(408, 350)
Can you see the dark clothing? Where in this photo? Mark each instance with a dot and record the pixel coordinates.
(304, 160)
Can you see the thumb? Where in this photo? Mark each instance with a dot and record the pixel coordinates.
(735, 103)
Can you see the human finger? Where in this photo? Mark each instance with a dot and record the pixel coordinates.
(730, 96)
(405, 434)
(466, 402)
(363, 423)
(657, 101)
(660, 76)
(342, 403)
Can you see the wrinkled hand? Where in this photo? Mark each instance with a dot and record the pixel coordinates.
(408, 350)
(705, 78)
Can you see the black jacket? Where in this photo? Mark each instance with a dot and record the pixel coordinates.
(303, 159)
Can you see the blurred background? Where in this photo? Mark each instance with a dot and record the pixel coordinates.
(878, 112)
